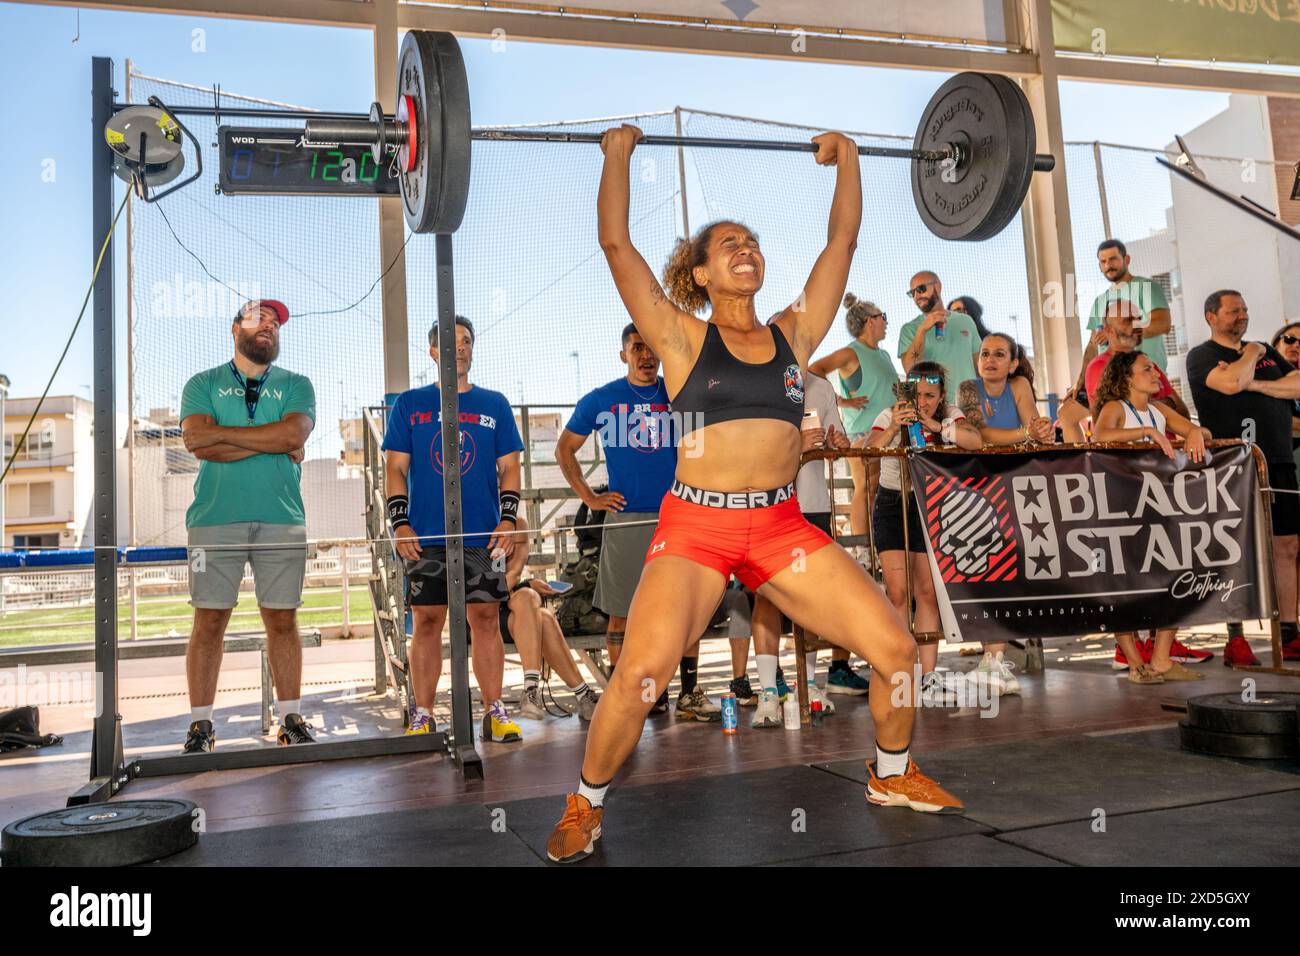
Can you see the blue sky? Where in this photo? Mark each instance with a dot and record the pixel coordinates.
(46, 271)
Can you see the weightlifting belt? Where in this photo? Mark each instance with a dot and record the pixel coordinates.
(732, 499)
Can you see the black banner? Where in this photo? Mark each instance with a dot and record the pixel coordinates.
(1058, 543)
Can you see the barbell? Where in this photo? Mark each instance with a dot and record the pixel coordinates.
(972, 156)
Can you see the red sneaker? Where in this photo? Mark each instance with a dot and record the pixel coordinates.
(1183, 654)
(1291, 652)
(1237, 653)
(1145, 648)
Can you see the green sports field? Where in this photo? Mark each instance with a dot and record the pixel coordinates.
(159, 617)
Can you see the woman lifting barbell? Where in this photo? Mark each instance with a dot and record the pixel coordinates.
(737, 387)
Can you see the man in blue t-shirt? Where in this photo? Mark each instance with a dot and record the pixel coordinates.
(634, 420)
(489, 471)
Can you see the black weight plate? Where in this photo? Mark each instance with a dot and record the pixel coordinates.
(970, 109)
(1023, 139)
(1254, 746)
(101, 834)
(453, 186)
(417, 77)
(1270, 713)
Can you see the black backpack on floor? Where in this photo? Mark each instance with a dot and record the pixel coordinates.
(576, 612)
(20, 728)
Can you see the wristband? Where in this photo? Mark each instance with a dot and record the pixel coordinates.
(398, 506)
(510, 507)
(519, 587)
(948, 432)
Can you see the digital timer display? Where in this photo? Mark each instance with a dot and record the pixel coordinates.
(259, 159)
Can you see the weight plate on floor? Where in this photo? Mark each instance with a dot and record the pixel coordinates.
(976, 198)
(453, 185)
(1255, 746)
(119, 833)
(1269, 713)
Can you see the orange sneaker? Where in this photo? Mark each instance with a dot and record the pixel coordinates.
(574, 837)
(913, 790)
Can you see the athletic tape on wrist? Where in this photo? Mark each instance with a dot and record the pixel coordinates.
(398, 506)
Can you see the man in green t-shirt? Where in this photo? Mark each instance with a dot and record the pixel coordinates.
(1148, 299)
(937, 335)
(247, 422)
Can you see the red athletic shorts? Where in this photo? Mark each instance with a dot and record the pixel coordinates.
(743, 534)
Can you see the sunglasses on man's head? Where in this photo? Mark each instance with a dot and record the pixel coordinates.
(928, 379)
(919, 288)
(1290, 339)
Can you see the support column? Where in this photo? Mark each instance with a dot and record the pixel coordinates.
(1052, 296)
(397, 361)
(106, 742)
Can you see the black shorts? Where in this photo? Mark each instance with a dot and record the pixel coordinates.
(1286, 506)
(504, 618)
(820, 520)
(427, 578)
(887, 523)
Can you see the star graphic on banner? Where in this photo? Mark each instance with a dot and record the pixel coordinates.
(1042, 562)
(1029, 495)
(741, 8)
(1037, 529)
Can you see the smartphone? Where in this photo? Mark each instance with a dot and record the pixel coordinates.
(559, 587)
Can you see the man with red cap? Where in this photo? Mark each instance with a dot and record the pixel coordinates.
(247, 421)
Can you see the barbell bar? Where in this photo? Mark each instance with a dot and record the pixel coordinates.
(385, 135)
(972, 157)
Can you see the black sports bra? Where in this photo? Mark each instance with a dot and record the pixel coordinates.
(722, 388)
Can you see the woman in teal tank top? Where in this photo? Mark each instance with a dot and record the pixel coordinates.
(864, 376)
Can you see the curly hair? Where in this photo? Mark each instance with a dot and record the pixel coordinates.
(859, 310)
(1115, 381)
(679, 274)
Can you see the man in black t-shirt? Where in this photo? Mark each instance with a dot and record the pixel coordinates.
(1246, 391)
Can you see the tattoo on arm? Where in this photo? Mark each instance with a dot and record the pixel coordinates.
(969, 403)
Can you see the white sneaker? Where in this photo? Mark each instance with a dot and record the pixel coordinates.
(995, 673)
(587, 705)
(530, 704)
(935, 692)
(1009, 683)
(768, 713)
(819, 693)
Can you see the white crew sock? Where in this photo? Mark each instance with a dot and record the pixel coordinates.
(766, 670)
(890, 764)
(286, 707)
(201, 713)
(579, 690)
(595, 795)
(532, 679)
(424, 711)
